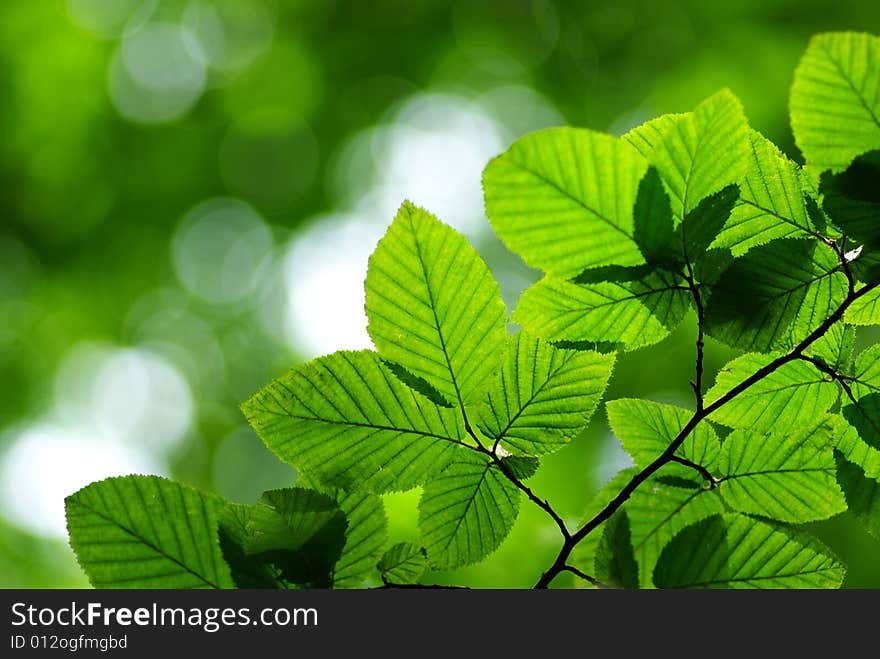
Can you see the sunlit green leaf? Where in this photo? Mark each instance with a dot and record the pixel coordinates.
(433, 306)
(661, 508)
(635, 312)
(698, 153)
(795, 394)
(736, 551)
(404, 563)
(788, 475)
(835, 99)
(346, 420)
(543, 395)
(147, 532)
(465, 513)
(771, 202)
(646, 429)
(562, 198)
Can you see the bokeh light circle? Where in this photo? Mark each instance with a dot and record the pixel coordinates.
(220, 249)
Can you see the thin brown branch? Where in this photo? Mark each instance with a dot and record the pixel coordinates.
(669, 454)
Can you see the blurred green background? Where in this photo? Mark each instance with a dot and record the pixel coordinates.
(191, 188)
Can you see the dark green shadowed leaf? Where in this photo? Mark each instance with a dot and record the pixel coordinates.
(521, 467)
(661, 508)
(615, 564)
(147, 532)
(562, 198)
(646, 428)
(433, 306)
(654, 229)
(347, 421)
(788, 475)
(584, 553)
(247, 571)
(795, 394)
(863, 410)
(775, 295)
(854, 449)
(364, 538)
(701, 225)
(835, 99)
(736, 551)
(465, 513)
(698, 153)
(404, 563)
(542, 396)
(862, 494)
(634, 313)
(771, 203)
(297, 532)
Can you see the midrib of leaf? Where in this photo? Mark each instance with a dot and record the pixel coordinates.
(436, 319)
(849, 82)
(467, 507)
(788, 470)
(635, 296)
(761, 578)
(142, 540)
(580, 203)
(406, 431)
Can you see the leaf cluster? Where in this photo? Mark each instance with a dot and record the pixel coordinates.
(692, 215)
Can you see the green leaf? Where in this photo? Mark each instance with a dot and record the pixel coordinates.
(836, 346)
(634, 313)
(775, 295)
(584, 554)
(851, 447)
(465, 513)
(771, 201)
(147, 532)
(701, 225)
(659, 509)
(562, 198)
(615, 564)
(736, 551)
(346, 420)
(433, 306)
(862, 411)
(301, 532)
(364, 538)
(521, 467)
(788, 475)
(404, 563)
(247, 571)
(862, 494)
(835, 99)
(646, 428)
(543, 395)
(793, 395)
(865, 310)
(698, 153)
(654, 231)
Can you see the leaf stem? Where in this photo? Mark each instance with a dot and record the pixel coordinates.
(585, 577)
(705, 473)
(543, 504)
(559, 565)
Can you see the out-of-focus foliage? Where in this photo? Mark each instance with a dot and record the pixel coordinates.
(164, 162)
